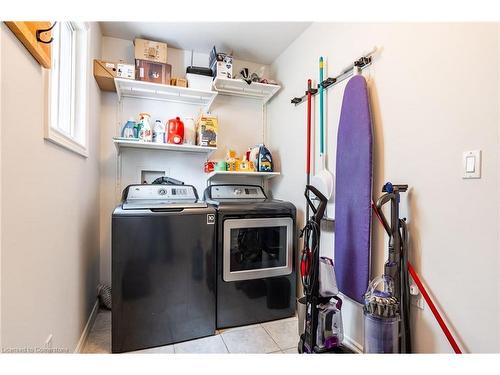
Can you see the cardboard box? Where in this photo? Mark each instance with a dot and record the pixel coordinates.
(150, 50)
(106, 71)
(206, 131)
(152, 72)
(181, 82)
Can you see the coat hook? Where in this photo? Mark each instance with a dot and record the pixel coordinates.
(40, 31)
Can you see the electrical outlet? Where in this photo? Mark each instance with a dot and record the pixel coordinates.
(417, 301)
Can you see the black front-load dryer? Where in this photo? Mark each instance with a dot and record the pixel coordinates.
(256, 245)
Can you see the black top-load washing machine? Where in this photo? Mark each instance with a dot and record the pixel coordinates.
(163, 267)
(256, 242)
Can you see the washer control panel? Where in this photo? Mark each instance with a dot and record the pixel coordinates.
(236, 192)
(163, 192)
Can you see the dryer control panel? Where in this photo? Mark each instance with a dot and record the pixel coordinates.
(236, 192)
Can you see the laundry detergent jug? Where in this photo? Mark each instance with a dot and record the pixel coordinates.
(129, 129)
(175, 132)
(265, 160)
(145, 131)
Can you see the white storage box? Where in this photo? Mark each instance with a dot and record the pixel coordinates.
(223, 68)
(199, 82)
(125, 71)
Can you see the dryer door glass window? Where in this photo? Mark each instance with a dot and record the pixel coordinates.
(254, 248)
(257, 248)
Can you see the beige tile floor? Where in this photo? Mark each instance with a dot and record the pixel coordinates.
(276, 337)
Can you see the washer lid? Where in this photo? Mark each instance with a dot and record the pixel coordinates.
(161, 197)
(141, 204)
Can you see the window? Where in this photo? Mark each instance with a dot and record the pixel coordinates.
(67, 88)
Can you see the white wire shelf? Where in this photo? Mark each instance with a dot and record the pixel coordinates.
(129, 88)
(124, 143)
(265, 175)
(238, 87)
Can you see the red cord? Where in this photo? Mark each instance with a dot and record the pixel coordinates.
(434, 310)
(427, 298)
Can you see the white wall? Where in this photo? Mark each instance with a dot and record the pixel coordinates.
(434, 93)
(49, 211)
(240, 126)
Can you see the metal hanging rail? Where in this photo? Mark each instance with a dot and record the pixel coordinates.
(361, 63)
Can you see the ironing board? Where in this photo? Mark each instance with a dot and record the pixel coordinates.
(353, 191)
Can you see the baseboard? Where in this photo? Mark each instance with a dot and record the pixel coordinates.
(88, 326)
(353, 345)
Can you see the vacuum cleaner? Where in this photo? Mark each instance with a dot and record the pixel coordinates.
(387, 300)
(322, 331)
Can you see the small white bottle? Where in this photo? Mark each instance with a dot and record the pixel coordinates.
(158, 132)
(189, 131)
(145, 133)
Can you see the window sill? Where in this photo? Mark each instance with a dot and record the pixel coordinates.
(59, 138)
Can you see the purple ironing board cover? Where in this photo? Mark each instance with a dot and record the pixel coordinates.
(353, 195)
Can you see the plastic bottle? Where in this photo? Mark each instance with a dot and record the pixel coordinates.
(158, 132)
(145, 132)
(330, 332)
(137, 128)
(189, 131)
(175, 131)
(129, 129)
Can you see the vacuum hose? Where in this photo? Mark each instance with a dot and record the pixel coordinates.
(308, 271)
(405, 290)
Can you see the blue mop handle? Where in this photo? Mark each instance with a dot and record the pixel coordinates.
(321, 131)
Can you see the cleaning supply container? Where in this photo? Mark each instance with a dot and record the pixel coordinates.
(189, 131)
(381, 317)
(330, 333)
(145, 131)
(158, 132)
(128, 130)
(175, 131)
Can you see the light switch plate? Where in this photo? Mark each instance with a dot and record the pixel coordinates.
(471, 164)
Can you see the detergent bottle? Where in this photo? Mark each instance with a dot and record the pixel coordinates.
(145, 132)
(159, 132)
(175, 131)
(129, 129)
(265, 160)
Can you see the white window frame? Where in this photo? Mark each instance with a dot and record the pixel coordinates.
(76, 139)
